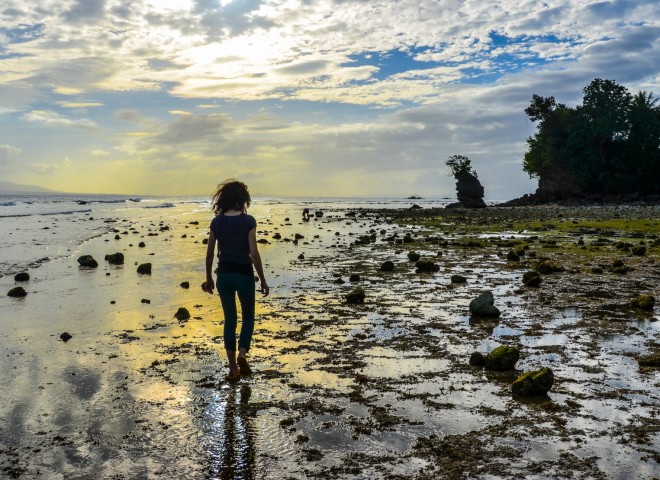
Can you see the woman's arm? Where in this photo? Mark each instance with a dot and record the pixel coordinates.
(256, 261)
(210, 250)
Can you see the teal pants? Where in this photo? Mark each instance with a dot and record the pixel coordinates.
(229, 285)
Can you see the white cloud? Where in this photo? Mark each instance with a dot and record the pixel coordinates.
(53, 119)
(8, 156)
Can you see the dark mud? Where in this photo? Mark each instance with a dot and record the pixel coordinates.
(381, 389)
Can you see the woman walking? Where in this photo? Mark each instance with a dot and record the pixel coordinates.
(235, 233)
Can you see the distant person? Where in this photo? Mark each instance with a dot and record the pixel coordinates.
(306, 214)
(235, 233)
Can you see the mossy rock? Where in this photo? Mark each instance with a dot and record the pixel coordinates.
(512, 256)
(144, 269)
(17, 292)
(477, 359)
(182, 314)
(643, 302)
(502, 358)
(532, 279)
(115, 258)
(538, 382)
(22, 277)
(87, 261)
(649, 361)
(356, 296)
(413, 256)
(426, 266)
(639, 250)
(387, 266)
(458, 279)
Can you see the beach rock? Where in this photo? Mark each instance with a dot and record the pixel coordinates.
(387, 266)
(318, 213)
(145, 300)
(277, 236)
(356, 296)
(643, 302)
(263, 241)
(512, 256)
(115, 258)
(458, 279)
(469, 191)
(144, 269)
(66, 336)
(426, 266)
(545, 267)
(182, 314)
(185, 285)
(483, 306)
(339, 281)
(640, 250)
(301, 256)
(298, 236)
(596, 270)
(649, 361)
(22, 277)
(532, 279)
(17, 292)
(354, 277)
(533, 383)
(142, 244)
(87, 261)
(477, 359)
(502, 358)
(413, 256)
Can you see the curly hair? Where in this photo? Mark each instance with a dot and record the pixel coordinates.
(230, 195)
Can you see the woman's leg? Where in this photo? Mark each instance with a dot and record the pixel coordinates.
(246, 294)
(227, 291)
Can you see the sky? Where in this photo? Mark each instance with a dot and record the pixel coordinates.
(299, 97)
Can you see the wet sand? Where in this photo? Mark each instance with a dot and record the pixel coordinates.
(375, 390)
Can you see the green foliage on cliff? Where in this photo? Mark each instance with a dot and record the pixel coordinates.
(609, 144)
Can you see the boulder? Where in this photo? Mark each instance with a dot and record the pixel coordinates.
(387, 266)
(22, 277)
(144, 269)
(356, 296)
(477, 359)
(458, 279)
(17, 292)
(413, 256)
(512, 256)
(87, 261)
(142, 244)
(533, 383)
(469, 190)
(643, 302)
(483, 306)
(354, 277)
(66, 336)
(532, 279)
(182, 314)
(502, 358)
(115, 258)
(426, 266)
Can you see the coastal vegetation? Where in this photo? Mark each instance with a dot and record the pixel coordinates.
(608, 145)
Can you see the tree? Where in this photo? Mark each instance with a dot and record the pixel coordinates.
(460, 163)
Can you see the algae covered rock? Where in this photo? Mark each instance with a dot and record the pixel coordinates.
(512, 256)
(387, 266)
(649, 361)
(356, 296)
(426, 266)
(502, 358)
(477, 359)
(115, 258)
(22, 277)
(483, 306)
(532, 279)
(87, 261)
(643, 302)
(144, 269)
(182, 314)
(639, 250)
(17, 292)
(533, 383)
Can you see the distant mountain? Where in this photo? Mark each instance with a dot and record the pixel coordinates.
(10, 188)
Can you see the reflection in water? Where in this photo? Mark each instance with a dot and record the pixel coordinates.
(229, 435)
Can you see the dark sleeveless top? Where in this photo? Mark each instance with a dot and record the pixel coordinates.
(231, 233)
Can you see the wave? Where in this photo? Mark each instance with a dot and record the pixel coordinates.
(7, 204)
(41, 214)
(161, 205)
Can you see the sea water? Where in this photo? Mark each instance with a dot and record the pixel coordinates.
(38, 228)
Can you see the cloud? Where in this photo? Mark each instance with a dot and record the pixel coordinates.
(53, 119)
(9, 156)
(85, 11)
(50, 168)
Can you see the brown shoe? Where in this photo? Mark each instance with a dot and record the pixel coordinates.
(243, 365)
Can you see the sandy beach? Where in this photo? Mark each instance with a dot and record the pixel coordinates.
(380, 389)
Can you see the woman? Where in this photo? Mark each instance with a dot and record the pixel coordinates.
(235, 233)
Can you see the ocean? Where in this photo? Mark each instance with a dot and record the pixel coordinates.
(39, 228)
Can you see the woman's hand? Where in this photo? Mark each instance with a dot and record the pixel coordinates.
(208, 286)
(264, 289)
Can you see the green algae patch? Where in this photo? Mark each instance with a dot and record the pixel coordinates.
(502, 358)
(643, 302)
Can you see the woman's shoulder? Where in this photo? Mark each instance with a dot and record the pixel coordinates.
(251, 221)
